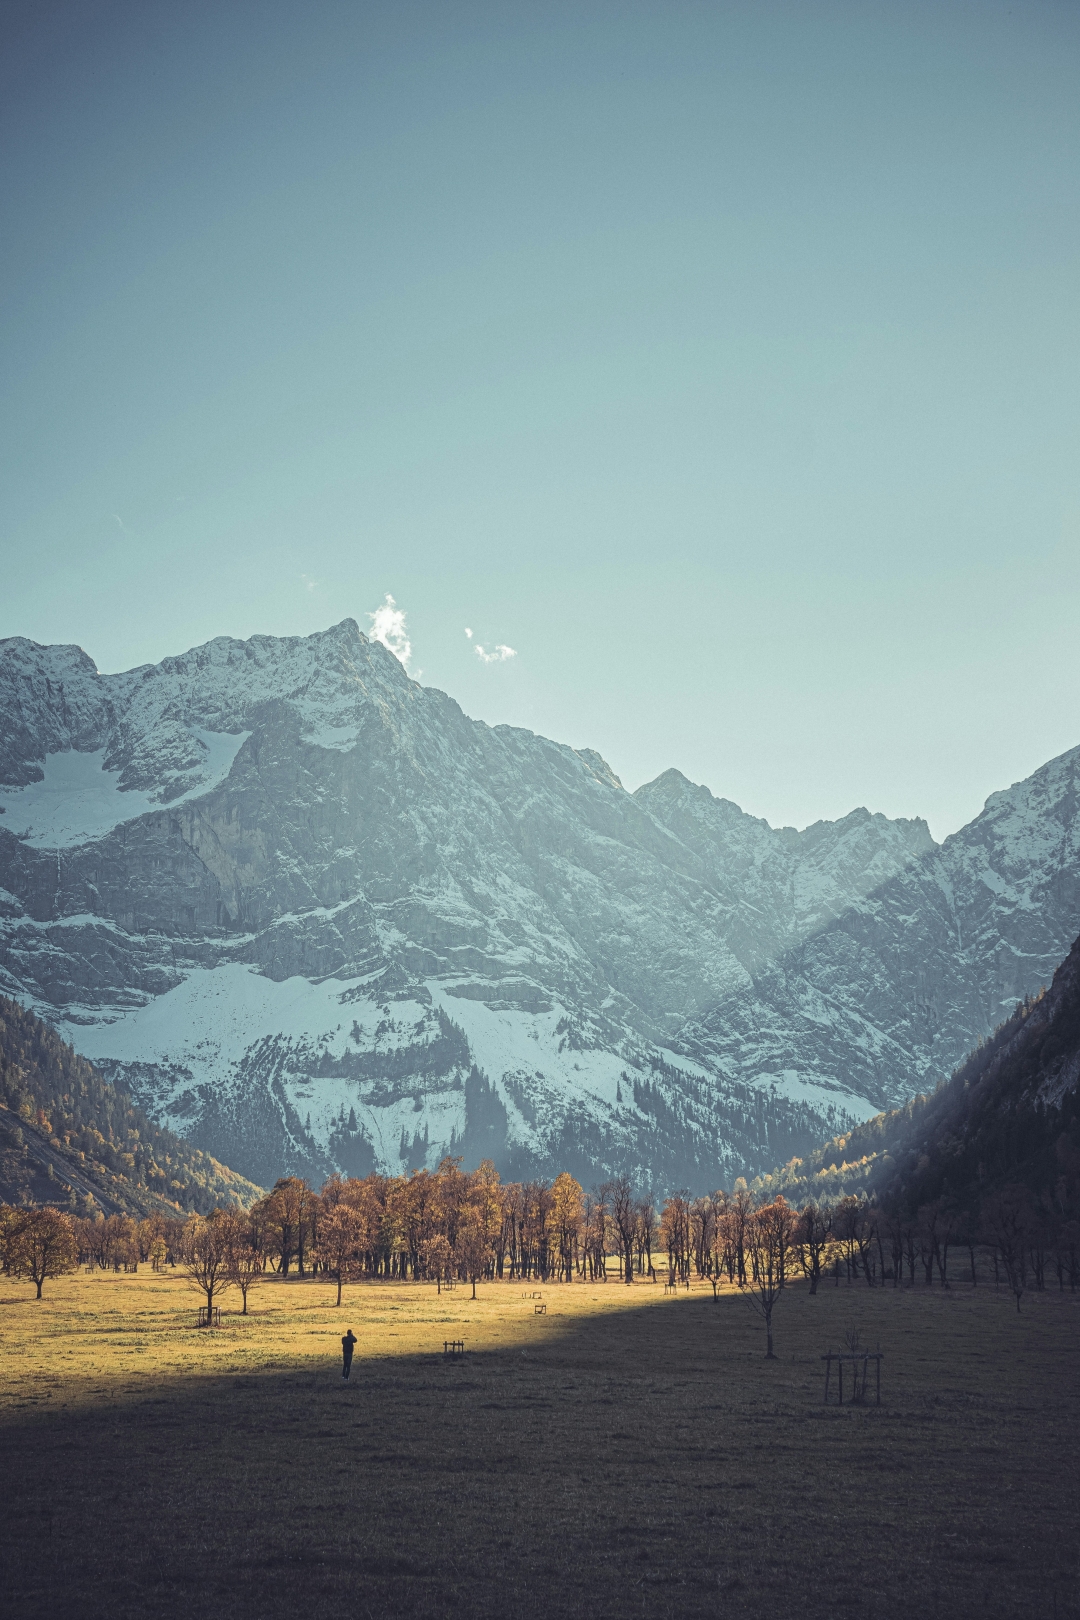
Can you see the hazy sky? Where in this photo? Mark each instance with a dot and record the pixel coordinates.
(720, 359)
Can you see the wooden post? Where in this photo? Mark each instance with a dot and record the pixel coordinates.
(828, 1373)
(878, 1363)
(840, 1367)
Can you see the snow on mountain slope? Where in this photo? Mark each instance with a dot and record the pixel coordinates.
(314, 915)
(900, 986)
(78, 799)
(779, 885)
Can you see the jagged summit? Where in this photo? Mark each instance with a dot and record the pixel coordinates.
(276, 885)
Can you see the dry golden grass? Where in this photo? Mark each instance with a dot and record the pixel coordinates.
(626, 1454)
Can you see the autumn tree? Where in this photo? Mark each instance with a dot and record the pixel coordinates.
(566, 1208)
(38, 1244)
(10, 1221)
(206, 1255)
(341, 1243)
(286, 1212)
(436, 1257)
(738, 1214)
(536, 1208)
(473, 1250)
(811, 1240)
(675, 1236)
(245, 1261)
(595, 1231)
(767, 1237)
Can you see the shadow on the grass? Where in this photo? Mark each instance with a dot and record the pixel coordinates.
(641, 1462)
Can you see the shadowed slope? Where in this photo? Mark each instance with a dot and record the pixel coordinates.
(68, 1137)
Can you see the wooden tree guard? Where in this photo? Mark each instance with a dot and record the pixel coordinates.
(539, 1310)
(840, 1356)
(452, 1348)
(209, 1315)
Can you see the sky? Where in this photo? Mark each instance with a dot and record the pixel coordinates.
(718, 363)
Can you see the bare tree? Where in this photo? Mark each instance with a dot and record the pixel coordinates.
(624, 1220)
(1006, 1219)
(645, 1234)
(811, 1238)
(206, 1256)
(767, 1237)
(246, 1261)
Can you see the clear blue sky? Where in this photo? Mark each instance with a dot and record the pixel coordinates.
(721, 359)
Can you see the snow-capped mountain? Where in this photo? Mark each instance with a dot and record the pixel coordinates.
(313, 915)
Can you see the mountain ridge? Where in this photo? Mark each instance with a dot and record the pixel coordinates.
(1007, 1117)
(321, 846)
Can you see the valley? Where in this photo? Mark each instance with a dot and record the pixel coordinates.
(626, 1452)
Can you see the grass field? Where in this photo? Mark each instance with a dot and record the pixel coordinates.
(624, 1454)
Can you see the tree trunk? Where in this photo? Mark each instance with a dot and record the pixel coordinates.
(474, 1288)
(338, 1300)
(38, 1281)
(769, 1356)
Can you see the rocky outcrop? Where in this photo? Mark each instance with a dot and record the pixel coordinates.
(314, 915)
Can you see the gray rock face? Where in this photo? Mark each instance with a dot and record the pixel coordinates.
(899, 987)
(315, 916)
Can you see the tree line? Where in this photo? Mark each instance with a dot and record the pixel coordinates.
(449, 1226)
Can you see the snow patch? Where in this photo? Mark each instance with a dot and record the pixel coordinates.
(78, 800)
(338, 737)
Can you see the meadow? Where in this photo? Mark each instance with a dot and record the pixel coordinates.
(626, 1453)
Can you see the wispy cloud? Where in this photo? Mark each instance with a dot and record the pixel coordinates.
(388, 626)
(498, 655)
(309, 583)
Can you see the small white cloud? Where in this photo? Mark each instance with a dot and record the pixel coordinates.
(498, 655)
(309, 583)
(468, 632)
(388, 626)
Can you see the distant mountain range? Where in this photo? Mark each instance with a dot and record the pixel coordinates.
(312, 916)
(1008, 1116)
(67, 1137)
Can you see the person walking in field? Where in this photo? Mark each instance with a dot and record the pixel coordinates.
(347, 1344)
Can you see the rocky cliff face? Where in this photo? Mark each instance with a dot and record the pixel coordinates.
(314, 915)
(895, 990)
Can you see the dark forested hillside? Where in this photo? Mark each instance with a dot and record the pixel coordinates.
(69, 1137)
(1009, 1115)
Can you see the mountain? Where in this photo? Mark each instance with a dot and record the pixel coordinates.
(895, 991)
(313, 916)
(68, 1137)
(1008, 1116)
